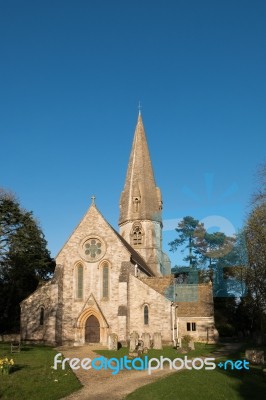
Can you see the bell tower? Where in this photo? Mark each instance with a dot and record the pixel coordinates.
(140, 219)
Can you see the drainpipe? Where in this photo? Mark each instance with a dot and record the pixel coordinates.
(173, 322)
(177, 323)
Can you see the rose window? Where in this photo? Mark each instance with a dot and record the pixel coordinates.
(93, 249)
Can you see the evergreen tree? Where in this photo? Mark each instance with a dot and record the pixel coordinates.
(190, 233)
(24, 259)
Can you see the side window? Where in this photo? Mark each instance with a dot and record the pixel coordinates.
(41, 316)
(146, 315)
(105, 281)
(191, 326)
(79, 281)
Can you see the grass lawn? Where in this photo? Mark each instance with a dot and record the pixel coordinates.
(204, 385)
(201, 349)
(201, 385)
(33, 378)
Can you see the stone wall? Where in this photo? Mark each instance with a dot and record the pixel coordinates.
(12, 337)
(46, 297)
(141, 294)
(205, 330)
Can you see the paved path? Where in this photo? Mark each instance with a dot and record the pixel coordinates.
(102, 385)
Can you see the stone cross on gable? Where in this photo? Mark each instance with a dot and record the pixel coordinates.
(93, 199)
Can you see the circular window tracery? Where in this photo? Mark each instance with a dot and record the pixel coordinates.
(92, 249)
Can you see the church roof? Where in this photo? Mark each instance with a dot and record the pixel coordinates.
(141, 198)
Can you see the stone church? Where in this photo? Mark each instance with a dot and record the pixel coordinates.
(107, 281)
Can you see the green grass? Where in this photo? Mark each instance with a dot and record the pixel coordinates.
(201, 349)
(202, 385)
(215, 384)
(33, 378)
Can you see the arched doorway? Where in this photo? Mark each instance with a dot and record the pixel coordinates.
(92, 330)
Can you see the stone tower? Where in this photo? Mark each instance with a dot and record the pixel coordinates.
(140, 219)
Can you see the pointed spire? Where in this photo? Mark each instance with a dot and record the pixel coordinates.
(141, 199)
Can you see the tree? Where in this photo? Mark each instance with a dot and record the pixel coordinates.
(260, 196)
(236, 266)
(256, 248)
(255, 235)
(11, 218)
(216, 246)
(190, 232)
(245, 266)
(24, 259)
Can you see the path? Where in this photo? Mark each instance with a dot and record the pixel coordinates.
(102, 385)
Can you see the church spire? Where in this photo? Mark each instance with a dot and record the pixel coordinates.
(141, 198)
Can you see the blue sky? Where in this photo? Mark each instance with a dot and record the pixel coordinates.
(71, 76)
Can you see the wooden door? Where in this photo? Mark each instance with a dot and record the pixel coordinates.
(92, 330)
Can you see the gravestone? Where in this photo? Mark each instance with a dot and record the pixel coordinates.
(157, 341)
(191, 345)
(134, 338)
(254, 356)
(180, 350)
(140, 345)
(146, 337)
(113, 341)
(133, 354)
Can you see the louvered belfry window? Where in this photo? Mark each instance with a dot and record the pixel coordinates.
(136, 234)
